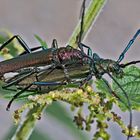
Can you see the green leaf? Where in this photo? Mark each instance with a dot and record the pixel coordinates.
(102, 87)
(43, 43)
(131, 84)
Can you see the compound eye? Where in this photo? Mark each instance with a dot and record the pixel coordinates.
(116, 67)
(118, 71)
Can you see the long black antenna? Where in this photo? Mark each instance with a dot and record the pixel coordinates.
(129, 63)
(121, 57)
(82, 21)
(79, 37)
(129, 103)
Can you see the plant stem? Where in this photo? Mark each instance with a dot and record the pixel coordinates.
(91, 15)
(26, 128)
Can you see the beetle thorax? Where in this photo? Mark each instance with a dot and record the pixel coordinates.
(108, 66)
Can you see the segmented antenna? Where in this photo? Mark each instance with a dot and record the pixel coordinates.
(129, 63)
(82, 14)
(121, 57)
